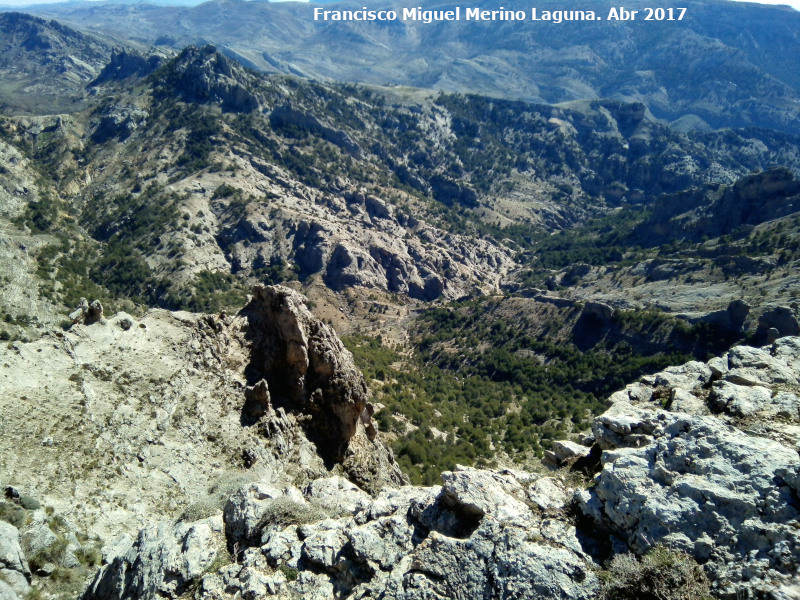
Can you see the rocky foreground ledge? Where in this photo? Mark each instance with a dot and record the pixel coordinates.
(700, 458)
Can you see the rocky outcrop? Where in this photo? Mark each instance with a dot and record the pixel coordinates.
(285, 116)
(127, 63)
(161, 563)
(482, 534)
(204, 75)
(784, 319)
(703, 458)
(87, 313)
(15, 574)
(119, 122)
(677, 469)
(298, 364)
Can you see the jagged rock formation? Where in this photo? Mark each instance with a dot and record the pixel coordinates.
(204, 75)
(15, 573)
(299, 364)
(127, 63)
(721, 210)
(87, 313)
(130, 427)
(482, 534)
(161, 563)
(676, 468)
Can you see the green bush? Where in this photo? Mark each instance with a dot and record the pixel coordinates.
(29, 503)
(11, 513)
(661, 574)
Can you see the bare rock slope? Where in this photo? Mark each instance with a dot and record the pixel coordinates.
(701, 458)
(150, 418)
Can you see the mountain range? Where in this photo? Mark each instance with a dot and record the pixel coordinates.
(259, 273)
(724, 65)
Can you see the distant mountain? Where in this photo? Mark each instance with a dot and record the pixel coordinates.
(45, 65)
(725, 64)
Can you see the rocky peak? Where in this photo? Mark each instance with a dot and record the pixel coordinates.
(127, 63)
(205, 75)
(298, 364)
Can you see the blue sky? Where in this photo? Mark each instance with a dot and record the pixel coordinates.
(794, 3)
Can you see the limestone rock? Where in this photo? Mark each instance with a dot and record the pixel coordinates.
(245, 510)
(474, 537)
(7, 592)
(336, 494)
(308, 371)
(162, 563)
(205, 75)
(12, 559)
(689, 478)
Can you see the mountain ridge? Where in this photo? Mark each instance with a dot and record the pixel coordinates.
(665, 65)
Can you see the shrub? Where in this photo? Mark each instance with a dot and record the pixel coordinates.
(283, 511)
(29, 503)
(662, 574)
(11, 513)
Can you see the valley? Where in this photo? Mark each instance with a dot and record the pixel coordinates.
(327, 276)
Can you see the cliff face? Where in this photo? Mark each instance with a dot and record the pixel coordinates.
(701, 458)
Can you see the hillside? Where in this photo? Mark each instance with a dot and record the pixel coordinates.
(241, 311)
(723, 65)
(188, 175)
(45, 66)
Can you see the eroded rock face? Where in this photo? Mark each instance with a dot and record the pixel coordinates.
(478, 536)
(161, 563)
(206, 76)
(299, 364)
(15, 574)
(704, 458)
(305, 365)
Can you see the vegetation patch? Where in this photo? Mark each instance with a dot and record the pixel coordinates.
(661, 574)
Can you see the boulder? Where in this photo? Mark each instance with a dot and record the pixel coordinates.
(163, 562)
(12, 560)
(244, 512)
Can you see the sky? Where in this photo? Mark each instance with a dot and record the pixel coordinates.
(793, 3)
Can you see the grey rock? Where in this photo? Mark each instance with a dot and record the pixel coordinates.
(599, 310)
(352, 266)
(476, 536)
(116, 547)
(336, 495)
(690, 480)
(244, 511)
(6, 592)
(36, 537)
(323, 543)
(566, 451)
(784, 319)
(11, 556)
(757, 366)
(738, 400)
(162, 563)
(688, 376)
(547, 494)
(282, 547)
(15, 580)
(309, 372)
